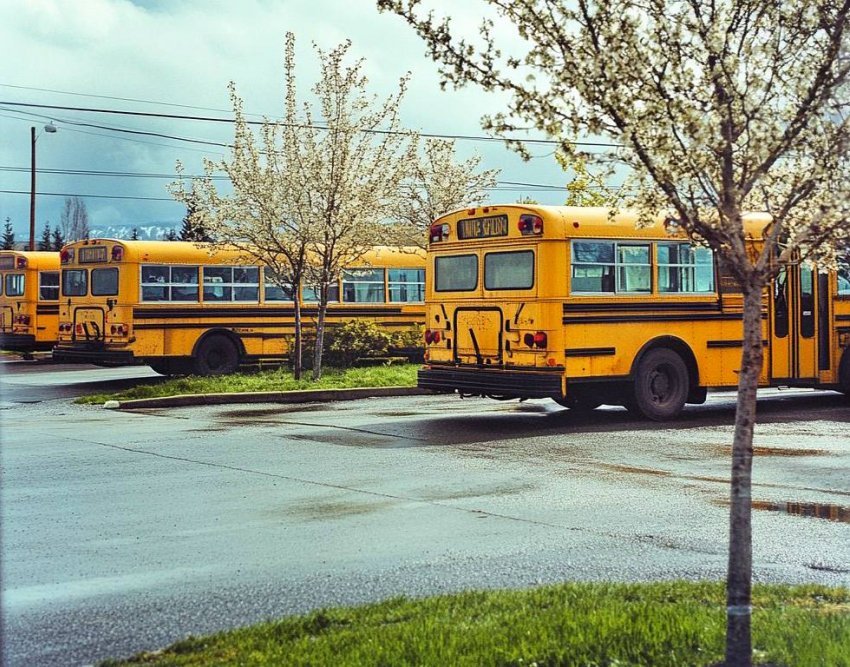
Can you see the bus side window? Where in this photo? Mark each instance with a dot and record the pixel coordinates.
(48, 285)
(844, 279)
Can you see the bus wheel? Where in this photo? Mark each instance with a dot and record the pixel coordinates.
(161, 366)
(578, 402)
(844, 374)
(661, 385)
(217, 355)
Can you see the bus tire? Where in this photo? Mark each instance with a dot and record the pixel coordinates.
(216, 355)
(579, 401)
(844, 374)
(661, 385)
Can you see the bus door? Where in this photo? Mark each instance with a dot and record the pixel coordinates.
(794, 314)
(7, 318)
(89, 324)
(478, 335)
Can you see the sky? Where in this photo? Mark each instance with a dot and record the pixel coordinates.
(157, 53)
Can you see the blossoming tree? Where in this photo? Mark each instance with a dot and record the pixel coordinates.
(438, 184)
(720, 106)
(315, 194)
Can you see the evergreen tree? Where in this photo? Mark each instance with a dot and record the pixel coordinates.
(8, 239)
(58, 239)
(45, 243)
(193, 228)
(135, 235)
(171, 235)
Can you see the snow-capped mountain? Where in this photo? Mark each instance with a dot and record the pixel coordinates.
(147, 231)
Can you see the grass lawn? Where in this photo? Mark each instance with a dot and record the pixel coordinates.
(394, 375)
(599, 625)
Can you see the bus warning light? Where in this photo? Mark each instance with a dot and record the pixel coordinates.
(530, 224)
(117, 253)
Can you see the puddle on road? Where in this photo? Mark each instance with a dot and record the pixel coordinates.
(642, 471)
(826, 511)
(726, 450)
(323, 511)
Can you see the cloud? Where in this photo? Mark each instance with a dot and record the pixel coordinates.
(185, 52)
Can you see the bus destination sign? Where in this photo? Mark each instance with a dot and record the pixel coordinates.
(93, 254)
(7, 262)
(481, 228)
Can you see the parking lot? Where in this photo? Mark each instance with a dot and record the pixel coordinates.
(125, 531)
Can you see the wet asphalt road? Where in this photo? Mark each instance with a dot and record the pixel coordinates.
(126, 531)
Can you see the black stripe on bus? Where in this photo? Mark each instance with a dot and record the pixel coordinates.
(623, 319)
(842, 318)
(331, 322)
(590, 352)
(206, 312)
(636, 307)
(47, 309)
(731, 343)
(842, 330)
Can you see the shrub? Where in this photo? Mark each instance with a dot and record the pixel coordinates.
(354, 340)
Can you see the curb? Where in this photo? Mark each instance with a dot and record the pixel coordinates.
(309, 396)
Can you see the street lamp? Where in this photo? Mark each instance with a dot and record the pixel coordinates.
(50, 128)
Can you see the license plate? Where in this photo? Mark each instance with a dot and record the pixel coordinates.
(481, 228)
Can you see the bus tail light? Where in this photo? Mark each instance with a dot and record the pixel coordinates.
(66, 256)
(80, 329)
(23, 319)
(530, 224)
(120, 329)
(117, 253)
(64, 326)
(439, 233)
(20, 262)
(431, 336)
(540, 339)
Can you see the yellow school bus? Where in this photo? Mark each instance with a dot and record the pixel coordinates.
(29, 300)
(536, 301)
(184, 308)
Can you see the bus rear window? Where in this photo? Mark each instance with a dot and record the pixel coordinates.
(14, 284)
(509, 270)
(48, 285)
(104, 282)
(75, 282)
(457, 273)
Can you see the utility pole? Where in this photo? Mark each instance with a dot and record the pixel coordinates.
(32, 192)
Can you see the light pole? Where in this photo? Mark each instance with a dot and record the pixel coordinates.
(49, 128)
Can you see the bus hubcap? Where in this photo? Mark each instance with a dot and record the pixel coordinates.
(659, 385)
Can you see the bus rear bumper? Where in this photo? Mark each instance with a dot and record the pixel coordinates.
(93, 354)
(23, 343)
(497, 384)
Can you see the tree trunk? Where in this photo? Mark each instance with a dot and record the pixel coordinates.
(296, 303)
(320, 334)
(739, 575)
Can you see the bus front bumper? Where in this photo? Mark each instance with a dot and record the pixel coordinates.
(498, 384)
(22, 343)
(93, 353)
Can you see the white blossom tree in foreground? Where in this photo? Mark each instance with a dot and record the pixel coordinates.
(439, 184)
(721, 106)
(312, 196)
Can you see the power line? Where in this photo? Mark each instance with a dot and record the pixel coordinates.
(122, 99)
(211, 119)
(62, 122)
(71, 194)
(155, 175)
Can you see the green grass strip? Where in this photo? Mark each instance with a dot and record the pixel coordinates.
(575, 624)
(393, 375)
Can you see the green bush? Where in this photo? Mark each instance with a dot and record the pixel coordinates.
(408, 339)
(353, 340)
